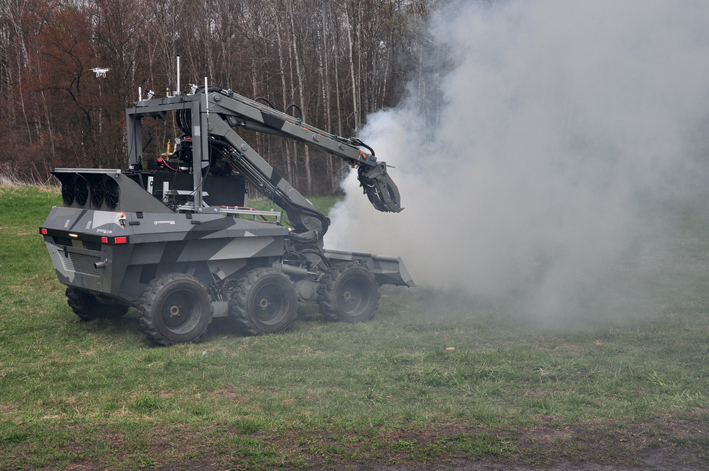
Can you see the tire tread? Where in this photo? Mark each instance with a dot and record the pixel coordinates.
(238, 306)
(88, 308)
(326, 290)
(146, 307)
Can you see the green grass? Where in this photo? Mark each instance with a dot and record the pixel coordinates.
(334, 395)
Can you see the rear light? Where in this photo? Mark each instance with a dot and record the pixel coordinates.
(87, 238)
(113, 241)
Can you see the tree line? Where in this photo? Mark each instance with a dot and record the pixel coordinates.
(338, 60)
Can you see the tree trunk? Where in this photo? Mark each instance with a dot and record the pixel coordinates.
(289, 168)
(308, 176)
(22, 62)
(341, 165)
(326, 96)
(295, 144)
(352, 71)
(359, 62)
(337, 93)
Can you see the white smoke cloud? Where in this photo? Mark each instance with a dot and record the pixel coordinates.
(557, 117)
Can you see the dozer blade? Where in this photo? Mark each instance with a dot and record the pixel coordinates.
(380, 188)
(386, 270)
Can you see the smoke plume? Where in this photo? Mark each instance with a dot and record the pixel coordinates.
(556, 122)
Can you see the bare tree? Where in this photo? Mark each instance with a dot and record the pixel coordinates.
(338, 60)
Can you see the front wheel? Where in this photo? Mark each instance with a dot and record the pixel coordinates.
(348, 293)
(175, 308)
(88, 307)
(263, 302)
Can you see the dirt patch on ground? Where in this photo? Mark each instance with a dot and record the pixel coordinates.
(682, 445)
(546, 436)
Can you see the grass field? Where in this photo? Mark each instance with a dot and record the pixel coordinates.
(99, 395)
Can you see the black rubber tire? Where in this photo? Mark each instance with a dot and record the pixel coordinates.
(264, 301)
(89, 308)
(175, 308)
(348, 293)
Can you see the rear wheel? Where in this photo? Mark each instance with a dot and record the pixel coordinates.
(348, 293)
(88, 307)
(264, 302)
(175, 308)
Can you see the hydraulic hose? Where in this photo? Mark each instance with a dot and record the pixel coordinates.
(268, 102)
(261, 181)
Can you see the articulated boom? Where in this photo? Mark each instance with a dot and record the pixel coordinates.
(221, 111)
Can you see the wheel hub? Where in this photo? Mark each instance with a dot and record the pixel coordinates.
(269, 302)
(354, 296)
(179, 309)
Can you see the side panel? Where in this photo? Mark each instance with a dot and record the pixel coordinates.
(135, 248)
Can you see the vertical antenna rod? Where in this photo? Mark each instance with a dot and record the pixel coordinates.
(178, 91)
(206, 97)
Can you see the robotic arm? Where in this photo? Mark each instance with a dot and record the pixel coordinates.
(229, 111)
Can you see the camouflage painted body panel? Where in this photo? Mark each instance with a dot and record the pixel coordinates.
(210, 247)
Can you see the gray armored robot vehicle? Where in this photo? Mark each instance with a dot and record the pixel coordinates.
(172, 236)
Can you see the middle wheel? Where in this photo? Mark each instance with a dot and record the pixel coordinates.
(264, 302)
(349, 293)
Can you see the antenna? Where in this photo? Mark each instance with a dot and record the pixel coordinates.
(177, 91)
